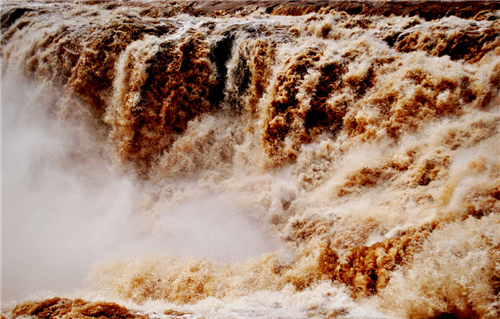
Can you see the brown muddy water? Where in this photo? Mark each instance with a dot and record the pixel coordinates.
(250, 159)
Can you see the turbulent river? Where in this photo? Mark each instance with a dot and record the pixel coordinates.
(250, 159)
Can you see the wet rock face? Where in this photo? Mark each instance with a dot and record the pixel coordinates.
(77, 308)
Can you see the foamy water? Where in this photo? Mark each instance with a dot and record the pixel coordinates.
(225, 160)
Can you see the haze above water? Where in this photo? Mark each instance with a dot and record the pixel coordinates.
(263, 161)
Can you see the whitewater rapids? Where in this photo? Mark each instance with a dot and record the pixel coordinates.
(260, 159)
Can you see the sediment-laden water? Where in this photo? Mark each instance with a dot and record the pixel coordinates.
(259, 159)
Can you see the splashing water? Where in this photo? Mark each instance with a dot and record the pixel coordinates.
(231, 159)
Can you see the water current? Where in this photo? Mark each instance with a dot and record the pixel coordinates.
(250, 159)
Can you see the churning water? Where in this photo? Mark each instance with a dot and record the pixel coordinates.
(219, 159)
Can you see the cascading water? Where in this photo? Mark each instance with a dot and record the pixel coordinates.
(204, 159)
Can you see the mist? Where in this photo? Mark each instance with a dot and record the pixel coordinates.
(249, 159)
(61, 213)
